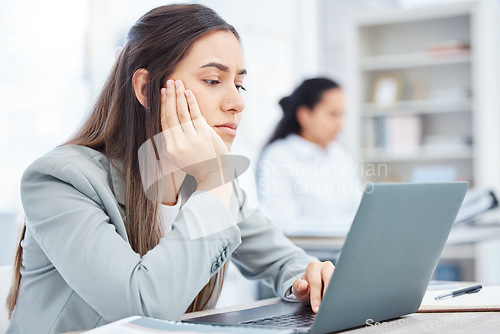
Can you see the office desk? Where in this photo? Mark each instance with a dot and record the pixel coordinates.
(460, 322)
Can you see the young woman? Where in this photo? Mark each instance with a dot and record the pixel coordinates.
(96, 247)
(308, 184)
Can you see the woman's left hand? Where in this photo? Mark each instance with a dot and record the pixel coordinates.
(309, 290)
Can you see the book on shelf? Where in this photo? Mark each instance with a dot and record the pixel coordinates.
(448, 48)
(446, 143)
(399, 133)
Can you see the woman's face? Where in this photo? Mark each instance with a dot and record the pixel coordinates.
(213, 70)
(323, 123)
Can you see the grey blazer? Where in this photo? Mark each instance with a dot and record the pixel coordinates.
(79, 271)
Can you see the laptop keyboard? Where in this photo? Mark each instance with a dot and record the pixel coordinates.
(302, 318)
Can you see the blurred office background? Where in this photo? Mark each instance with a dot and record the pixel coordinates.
(421, 78)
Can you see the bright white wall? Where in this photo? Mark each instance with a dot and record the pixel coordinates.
(43, 89)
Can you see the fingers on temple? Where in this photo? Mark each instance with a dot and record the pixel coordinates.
(182, 107)
(199, 122)
(169, 118)
(193, 105)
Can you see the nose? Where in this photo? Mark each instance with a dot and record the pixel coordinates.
(233, 102)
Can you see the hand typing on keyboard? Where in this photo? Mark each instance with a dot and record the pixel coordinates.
(309, 290)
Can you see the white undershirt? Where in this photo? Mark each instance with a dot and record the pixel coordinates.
(168, 213)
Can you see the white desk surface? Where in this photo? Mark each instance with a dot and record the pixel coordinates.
(459, 322)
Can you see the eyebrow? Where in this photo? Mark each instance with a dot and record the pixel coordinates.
(223, 68)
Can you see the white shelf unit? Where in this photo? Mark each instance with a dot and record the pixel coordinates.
(451, 97)
(448, 98)
(410, 60)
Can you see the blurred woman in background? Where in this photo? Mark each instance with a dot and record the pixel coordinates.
(308, 184)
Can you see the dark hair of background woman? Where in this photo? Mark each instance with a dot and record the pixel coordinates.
(308, 94)
(119, 124)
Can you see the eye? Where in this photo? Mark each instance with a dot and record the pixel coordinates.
(240, 87)
(212, 82)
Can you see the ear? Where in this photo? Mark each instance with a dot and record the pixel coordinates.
(139, 81)
(303, 116)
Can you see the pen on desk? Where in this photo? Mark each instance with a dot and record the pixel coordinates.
(471, 289)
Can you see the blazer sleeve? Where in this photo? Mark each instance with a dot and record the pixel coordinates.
(64, 206)
(265, 253)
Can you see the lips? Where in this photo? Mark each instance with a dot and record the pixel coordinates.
(229, 128)
(231, 125)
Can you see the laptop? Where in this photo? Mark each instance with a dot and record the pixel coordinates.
(384, 267)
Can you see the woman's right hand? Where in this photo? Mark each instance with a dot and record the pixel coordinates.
(191, 144)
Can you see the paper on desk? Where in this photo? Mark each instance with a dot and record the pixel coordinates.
(488, 299)
(141, 325)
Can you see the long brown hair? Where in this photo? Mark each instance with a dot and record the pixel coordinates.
(119, 124)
